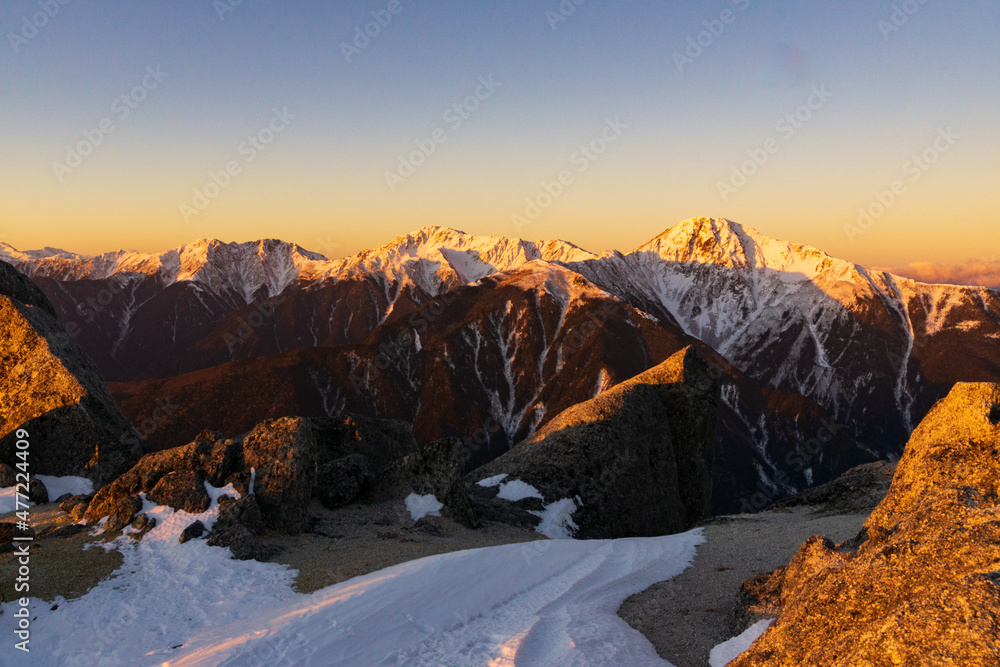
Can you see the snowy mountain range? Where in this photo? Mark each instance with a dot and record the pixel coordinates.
(467, 336)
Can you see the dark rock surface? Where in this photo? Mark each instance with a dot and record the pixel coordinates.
(182, 490)
(281, 457)
(76, 506)
(37, 493)
(122, 512)
(859, 489)
(921, 587)
(8, 476)
(217, 460)
(192, 532)
(436, 469)
(237, 528)
(281, 452)
(637, 458)
(50, 388)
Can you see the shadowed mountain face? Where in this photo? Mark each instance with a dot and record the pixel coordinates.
(829, 365)
(636, 460)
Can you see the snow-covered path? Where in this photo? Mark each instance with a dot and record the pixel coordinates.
(542, 603)
(550, 602)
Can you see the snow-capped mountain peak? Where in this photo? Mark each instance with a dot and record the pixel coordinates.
(730, 244)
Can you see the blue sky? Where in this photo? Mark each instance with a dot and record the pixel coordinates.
(322, 180)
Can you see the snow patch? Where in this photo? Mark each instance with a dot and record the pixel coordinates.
(57, 486)
(164, 593)
(557, 519)
(518, 490)
(729, 650)
(8, 500)
(492, 481)
(421, 506)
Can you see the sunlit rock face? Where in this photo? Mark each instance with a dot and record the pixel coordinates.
(923, 587)
(53, 392)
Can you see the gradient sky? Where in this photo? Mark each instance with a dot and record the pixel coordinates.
(321, 182)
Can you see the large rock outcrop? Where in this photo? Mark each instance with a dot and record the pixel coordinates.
(923, 585)
(636, 459)
(284, 464)
(51, 388)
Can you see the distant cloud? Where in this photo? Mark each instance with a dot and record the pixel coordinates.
(974, 272)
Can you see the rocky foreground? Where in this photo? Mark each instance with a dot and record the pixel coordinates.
(53, 390)
(920, 585)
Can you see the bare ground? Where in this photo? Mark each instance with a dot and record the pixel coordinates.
(60, 566)
(360, 539)
(685, 617)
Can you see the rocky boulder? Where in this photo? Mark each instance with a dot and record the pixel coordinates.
(352, 452)
(215, 458)
(182, 490)
(283, 463)
(52, 390)
(859, 490)
(281, 453)
(237, 528)
(636, 459)
(436, 469)
(921, 584)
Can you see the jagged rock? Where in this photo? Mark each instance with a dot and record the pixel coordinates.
(142, 524)
(340, 482)
(282, 456)
(121, 513)
(8, 476)
(37, 493)
(76, 506)
(194, 531)
(637, 458)
(63, 498)
(240, 481)
(243, 511)
(182, 490)
(242, 543)
(380, 441)
(281, 451)
(237, 527)
(352, 452)
(52, 390)
(217, 460)
(857, 491)
(436, 469)
(921, 589)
